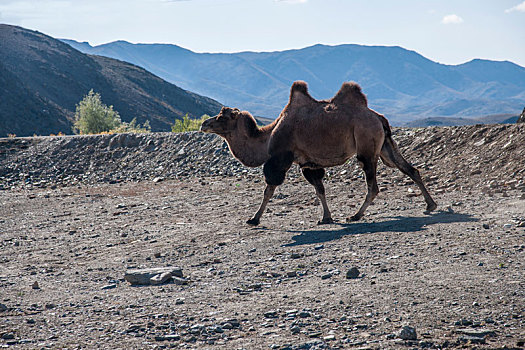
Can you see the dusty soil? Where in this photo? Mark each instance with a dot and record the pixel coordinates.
(456, 276)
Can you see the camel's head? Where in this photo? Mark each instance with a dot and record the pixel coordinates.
(223, 123)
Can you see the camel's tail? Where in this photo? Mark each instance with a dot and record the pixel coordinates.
(386, 125)
(390, 154)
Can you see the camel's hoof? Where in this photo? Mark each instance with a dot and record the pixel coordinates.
(253, 222)
(354, 218)
(325, 221)
(430, 208)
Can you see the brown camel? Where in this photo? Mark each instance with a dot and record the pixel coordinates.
(315, 135)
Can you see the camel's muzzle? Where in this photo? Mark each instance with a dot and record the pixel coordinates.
(205, 127)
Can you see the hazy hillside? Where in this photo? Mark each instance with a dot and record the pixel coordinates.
(42, 79)
(399, 83)
(453, 121)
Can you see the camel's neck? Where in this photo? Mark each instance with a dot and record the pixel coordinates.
(251, 149)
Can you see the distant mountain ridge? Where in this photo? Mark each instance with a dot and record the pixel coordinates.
(42, 79)
(399, 83)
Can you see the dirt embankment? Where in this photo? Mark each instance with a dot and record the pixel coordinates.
(480, 155)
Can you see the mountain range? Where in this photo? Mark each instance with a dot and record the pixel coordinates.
(402, 84)
(42, 79)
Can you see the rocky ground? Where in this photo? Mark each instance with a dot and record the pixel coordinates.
(77, 212)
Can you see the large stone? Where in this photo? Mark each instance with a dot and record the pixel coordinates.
(152, 276)
(408, 333)
(352, 273)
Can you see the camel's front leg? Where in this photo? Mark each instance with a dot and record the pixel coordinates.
(274, 173)
(268, 193)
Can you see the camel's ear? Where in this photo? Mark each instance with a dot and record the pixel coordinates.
(235, 113)
(225, 112)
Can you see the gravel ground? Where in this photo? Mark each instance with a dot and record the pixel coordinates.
(77, 212)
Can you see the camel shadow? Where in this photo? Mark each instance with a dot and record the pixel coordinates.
(395, 224)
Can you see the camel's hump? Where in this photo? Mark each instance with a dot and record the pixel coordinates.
(299, 86)
(350, 92)
(299, 94)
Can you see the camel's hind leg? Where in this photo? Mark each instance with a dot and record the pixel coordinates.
(391, 156)
(369, 165)
(315, 177)
(274, 170)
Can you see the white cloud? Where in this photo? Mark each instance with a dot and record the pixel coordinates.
(452, 19)
(519, 8)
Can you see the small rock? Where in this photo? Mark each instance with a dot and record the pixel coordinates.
(326, 276)
(179, 301)
(234, 322)
(296, 255)
(218, 329)
(291, 274)
(8, 336)
(35, 285)
(486, 226)
(180, 281)
(109, 286)
(476, 332)
(319, 247)
(50, 306)
(161, 278)
(271, 314)
(143, 276)
(167, 337)
(295, 330)
(329, 337)
(227, 325)
(408, 333)
(314, 334)
(464, 322)
(158, 179)
(352, 273)
(3, 307)
(471, 340)
(157, 255)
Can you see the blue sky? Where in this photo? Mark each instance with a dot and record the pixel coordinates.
(447, 31)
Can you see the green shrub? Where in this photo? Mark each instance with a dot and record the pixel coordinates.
(94, 117)
(131, 127)
(188, 124)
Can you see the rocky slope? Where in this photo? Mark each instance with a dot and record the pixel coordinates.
(475, 156)
(42, 79)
